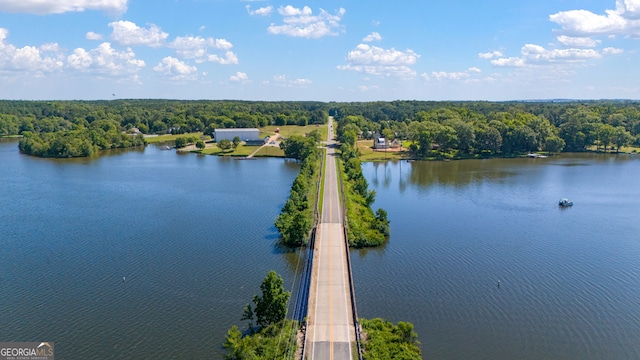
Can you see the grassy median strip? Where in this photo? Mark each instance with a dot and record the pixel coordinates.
(321, 179)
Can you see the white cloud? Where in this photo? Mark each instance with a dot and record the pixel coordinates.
(460, 75)
(364, 88)
(282, 80)
(577, 41)
(229, 58)
(510, 61)
(93, 36)
(239, 76)
(490, 55)
(374, 36)
(105, 60)
(176, 69)
(612, 51)
(365, 54)
(263, 11)
(302, 23)
(197, 47)
(533, 52)
(375, 60)
(44, 59)
(300, 82)
(624, 20)
(537, 55)
(128, 33)
(403, 72)
(42, 7)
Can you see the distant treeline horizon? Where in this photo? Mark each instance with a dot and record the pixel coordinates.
(466, 126)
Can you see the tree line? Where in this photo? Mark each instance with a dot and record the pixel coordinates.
(484, 128)
(296, 217)
(463, 129)
(156, 116)
(79, 141)
(364, 228)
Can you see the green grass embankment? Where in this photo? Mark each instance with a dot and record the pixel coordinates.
(321, 179)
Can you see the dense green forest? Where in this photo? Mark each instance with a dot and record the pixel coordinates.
(80, 128)
(460, 129)
(494, 128)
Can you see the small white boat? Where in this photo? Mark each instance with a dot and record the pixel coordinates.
(565, 202)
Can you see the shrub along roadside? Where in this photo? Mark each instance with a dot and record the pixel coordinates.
(387, 341)
(296, 218)
(275, 337)
(364, 228)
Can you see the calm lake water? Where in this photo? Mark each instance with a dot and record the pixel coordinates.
(194, 236)
(569, 277)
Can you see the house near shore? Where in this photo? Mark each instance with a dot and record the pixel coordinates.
(379, 142)
(250, 136)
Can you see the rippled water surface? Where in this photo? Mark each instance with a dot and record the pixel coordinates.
(569, 278)
(192, 235)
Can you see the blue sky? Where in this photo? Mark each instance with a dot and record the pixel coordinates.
(320, 50)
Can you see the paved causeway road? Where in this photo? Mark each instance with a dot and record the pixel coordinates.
(330, 331)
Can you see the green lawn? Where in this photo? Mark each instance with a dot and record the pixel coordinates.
(624, 149)
(288, 130)
(368, 154)
(270, 151)
(168, 137)
(241, 150)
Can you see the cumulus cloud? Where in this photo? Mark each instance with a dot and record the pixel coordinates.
(284, 81)
(612, 51)
(229, 58)
(533, 52)
(46, 58)
(375, 60)
(175, 69)
(197, 47)
(263, 11)
(535, 55)
(459, 75)
(365, 54)
(490, 55)
(105, 60)
(42, 7)
(239, 76)
(93, 36)
(300, 22)
(374, 36)
(580, 42)
(510, 61)
(624, 20)
(128, 33)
